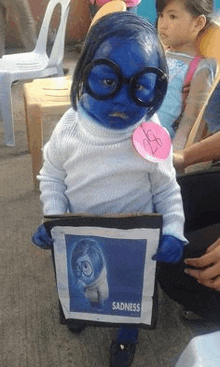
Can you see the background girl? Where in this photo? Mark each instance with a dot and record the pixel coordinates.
(179, 24)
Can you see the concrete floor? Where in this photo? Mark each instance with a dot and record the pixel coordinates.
(30, 333)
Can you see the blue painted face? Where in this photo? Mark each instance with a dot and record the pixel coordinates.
(119, 89)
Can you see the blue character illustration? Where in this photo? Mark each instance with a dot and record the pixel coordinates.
(89, 268)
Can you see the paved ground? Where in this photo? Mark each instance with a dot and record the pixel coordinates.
(30, 332)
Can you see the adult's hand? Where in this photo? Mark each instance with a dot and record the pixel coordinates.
(208, 267)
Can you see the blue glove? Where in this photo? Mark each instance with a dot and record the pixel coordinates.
(41, 238)
(170, 249)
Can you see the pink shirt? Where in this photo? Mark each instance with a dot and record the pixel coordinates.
(129, 3)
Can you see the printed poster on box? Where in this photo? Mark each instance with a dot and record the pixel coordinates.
(104, 267)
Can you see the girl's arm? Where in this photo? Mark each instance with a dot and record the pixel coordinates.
(167, 198)
(167, 201)
(52, 175)
(52, 186)
(203, 151)
(199, 90)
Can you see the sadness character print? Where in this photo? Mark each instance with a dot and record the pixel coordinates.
(89, 268)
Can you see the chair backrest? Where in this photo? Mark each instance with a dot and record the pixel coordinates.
(57, 51)
(208, 42)
(107, 8)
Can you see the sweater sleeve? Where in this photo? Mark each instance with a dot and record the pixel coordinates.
(167, 198)
(52, 175)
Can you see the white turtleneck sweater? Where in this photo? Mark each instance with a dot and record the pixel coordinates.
(95, 170)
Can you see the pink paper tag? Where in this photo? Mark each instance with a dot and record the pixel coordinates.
(152, 141)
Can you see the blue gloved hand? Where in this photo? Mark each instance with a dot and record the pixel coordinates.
(41, 238)
(170, 249)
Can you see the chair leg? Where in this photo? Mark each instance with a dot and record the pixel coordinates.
(27, 122)
(6, 109)
(35, 139)
(60, 70)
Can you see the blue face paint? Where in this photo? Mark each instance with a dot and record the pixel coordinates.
(117, 80)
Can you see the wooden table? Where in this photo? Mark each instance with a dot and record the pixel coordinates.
(43, 95)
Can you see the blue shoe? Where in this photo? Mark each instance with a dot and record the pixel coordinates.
(122, 355)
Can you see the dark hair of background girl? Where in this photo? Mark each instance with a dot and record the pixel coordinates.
(194, 7)
(123, 25)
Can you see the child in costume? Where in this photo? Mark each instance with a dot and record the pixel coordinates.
(90, 163)
(179, 24)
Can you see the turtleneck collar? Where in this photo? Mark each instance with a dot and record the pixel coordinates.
(100, 133)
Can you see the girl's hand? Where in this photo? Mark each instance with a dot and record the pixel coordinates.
(170, 249)
(41, 238)
(208, 267)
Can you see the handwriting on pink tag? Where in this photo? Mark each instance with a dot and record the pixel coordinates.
(152, 141)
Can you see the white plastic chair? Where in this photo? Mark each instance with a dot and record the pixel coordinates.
(32, 65)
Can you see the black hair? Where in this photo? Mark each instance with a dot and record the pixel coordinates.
(123, 25)
(194, 7)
